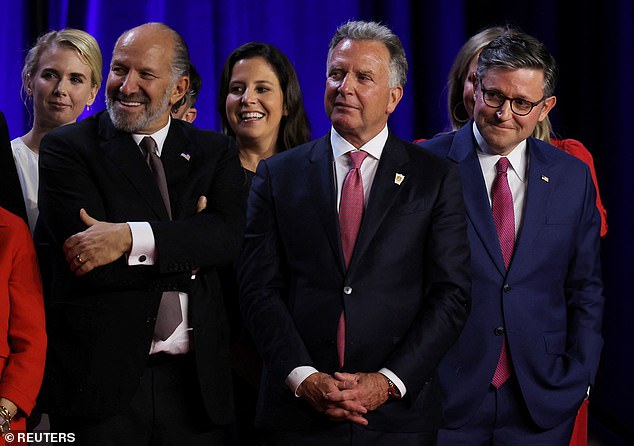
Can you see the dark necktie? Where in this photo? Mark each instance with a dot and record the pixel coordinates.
(150, 150)
(350, 215)
(169, 315)
(504, 217)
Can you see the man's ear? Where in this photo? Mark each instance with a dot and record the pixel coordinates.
(180, 89)
(396, 94)
(549, 103)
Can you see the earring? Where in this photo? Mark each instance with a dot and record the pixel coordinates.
(29, 91)
(88, 108)
(459, 113)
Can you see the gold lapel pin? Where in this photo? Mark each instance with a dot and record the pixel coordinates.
(398, 178)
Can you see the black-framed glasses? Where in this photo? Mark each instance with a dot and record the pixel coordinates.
(520, 107)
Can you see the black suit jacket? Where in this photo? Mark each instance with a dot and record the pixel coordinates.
(11, 196)
(405, 293)
(100, 326)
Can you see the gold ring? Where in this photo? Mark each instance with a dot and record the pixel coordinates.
(78, 257)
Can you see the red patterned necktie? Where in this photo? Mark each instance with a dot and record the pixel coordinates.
(169, 314)
(350, 215)
(504, 217)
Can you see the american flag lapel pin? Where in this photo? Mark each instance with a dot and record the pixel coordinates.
(545, 178)
(187, 156)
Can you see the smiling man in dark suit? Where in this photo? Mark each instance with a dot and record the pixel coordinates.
(351, 327)
(138, 350)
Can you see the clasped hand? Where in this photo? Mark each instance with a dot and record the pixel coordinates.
(345, 396)
(100, 244)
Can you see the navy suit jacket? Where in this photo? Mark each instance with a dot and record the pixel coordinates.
(549, 303)
(405, 293)
(100, 325)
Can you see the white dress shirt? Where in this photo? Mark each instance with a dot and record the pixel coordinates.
(144, 252)
(342, 164)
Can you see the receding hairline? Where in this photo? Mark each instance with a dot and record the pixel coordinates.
(144, 30)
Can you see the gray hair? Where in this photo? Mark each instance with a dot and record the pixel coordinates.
(359, 30)
(514, 51)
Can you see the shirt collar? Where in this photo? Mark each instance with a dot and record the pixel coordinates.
(374, 147)
(518, 157)
(159, 136)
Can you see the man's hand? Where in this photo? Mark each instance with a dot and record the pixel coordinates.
(314, 390)
(370, 391)
(102, 243)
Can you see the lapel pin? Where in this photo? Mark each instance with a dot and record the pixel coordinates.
(545, 178)
(398, 178)
(187, 156)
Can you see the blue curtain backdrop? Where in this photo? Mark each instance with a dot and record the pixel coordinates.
(593, 42)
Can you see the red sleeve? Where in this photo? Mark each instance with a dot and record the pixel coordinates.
(24, 367)
(578, 150)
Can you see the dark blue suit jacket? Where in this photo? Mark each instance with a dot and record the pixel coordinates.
(549, 302)
(407, 287)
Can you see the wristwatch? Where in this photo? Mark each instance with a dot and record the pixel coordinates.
(5, 420)
(392, 390)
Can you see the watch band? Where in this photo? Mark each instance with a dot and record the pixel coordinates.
(392, 390)
(5, 420)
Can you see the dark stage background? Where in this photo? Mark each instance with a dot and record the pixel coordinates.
(593, 42)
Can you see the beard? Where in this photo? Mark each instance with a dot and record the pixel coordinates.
(133, 122)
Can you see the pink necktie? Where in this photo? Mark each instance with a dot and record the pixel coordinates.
(504, 217)
(169, 314)
(350, 215)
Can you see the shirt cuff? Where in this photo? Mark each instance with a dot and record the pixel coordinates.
(143, 251)
(297, 376)
(395, 379)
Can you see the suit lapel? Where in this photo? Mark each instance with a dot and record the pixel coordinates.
(394, 159)
(126, 155)
(464, 151)
(537, 196)
(320, 176)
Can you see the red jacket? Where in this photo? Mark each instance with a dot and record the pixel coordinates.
(22, 327)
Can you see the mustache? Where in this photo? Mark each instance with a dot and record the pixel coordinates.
(137, 97)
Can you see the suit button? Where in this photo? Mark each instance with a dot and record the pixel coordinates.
(499, 331)
(507, 288)
(347, 290)
(142, 258)
(150, 320)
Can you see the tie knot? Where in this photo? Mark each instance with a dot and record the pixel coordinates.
(148, 145)
(357, 158)
(502, 165)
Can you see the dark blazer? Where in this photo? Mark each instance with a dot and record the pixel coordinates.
(100, 325)
(406, 292)
(549, 302)
(11, 196)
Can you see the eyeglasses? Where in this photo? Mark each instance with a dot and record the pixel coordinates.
(495, 99)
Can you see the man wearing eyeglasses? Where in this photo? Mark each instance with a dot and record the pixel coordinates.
(530, 349)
